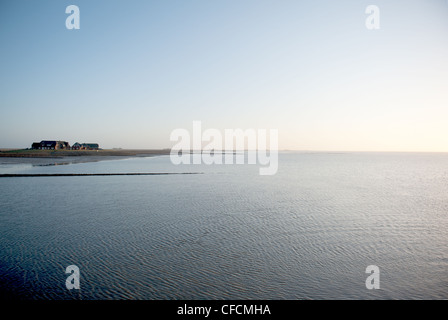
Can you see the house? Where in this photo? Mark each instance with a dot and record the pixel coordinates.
(63, 145)
(76, 146)
(85, 146)
(50, 145)
(90, 146)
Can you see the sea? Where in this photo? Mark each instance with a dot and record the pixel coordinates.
(311, 231)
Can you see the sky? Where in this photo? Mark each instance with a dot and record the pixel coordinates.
(137, 70)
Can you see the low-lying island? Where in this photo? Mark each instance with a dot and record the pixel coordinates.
(50, 157)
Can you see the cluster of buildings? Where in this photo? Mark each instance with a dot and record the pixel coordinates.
(63, 145)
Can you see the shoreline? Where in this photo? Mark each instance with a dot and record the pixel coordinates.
(64, 157)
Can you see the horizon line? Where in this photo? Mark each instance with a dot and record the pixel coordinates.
(279, 150)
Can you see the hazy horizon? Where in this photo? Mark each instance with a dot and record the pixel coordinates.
(279, 150)
(311, 69)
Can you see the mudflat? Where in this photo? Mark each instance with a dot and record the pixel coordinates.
(50, 157)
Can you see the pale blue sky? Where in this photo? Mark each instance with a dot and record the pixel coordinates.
(136, 70)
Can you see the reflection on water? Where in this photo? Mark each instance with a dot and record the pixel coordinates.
(52, 164)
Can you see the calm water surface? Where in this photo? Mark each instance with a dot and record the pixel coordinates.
(308, 232)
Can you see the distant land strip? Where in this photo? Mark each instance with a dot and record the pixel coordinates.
(93, 174)
(28, 153)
